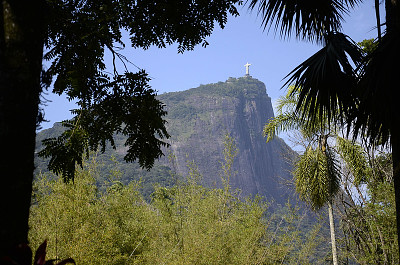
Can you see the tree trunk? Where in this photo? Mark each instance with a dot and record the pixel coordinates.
(323, 141)
(393, 27)
(21, 51)
(378, 20)
(392, 8)
(333, 235)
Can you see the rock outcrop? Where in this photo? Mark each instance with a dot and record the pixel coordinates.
(198, 120)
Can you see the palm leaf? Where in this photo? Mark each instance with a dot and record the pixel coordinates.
(288, 102)
(316, 177)
(377, 106)
(307, 19)
(326, 80)
(333, 176)
(281, 123)
(354, 157)
(290, 119)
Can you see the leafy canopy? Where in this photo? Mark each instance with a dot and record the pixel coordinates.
(79, 33)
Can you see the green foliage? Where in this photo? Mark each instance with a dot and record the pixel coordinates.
(230, 152)
(78, 33)
(182, 111)
(290, 118)
(278, 124)
(81, 223)
(355, 158)
(369, 233)
(368, 46)
(117, 169)
(316, 177)
(132, 110)
(249, 88)
(184, 224)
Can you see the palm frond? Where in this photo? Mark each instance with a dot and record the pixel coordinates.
(317, 177)
(281, 123)
(326, 80)
(288, 102)
(290, 119)
(307, 19)
(354, 157)
(378, 101)
(333, 176)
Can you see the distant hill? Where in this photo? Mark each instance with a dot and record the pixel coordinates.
(198, 120)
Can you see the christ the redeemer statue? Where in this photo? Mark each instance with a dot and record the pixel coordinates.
(247, 65)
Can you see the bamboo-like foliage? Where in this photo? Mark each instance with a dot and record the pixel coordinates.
(184, 224)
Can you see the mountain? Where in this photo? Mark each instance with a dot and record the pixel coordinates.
(198, 120)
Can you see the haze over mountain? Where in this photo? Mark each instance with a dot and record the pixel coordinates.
(198, 120)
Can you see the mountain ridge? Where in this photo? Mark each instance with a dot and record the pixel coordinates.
(199, 118)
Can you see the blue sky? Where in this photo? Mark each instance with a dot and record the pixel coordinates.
(242, 40)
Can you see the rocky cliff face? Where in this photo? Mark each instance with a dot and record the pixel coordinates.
(198, 121)
(199, 118)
